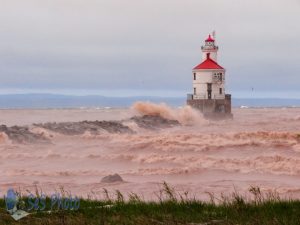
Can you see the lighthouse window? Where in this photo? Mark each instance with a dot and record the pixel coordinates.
(220, 91)
(195, 91)
(194, 76)
(218, 77)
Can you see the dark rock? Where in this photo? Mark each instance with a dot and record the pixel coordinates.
(112, 178)
(22, 134)
(154, 122)
(95, 127)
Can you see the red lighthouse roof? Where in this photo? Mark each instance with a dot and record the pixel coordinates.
(208, 64)
(209, 39)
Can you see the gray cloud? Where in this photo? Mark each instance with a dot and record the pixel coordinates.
(147, 45)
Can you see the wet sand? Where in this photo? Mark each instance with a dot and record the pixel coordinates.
(258, 147)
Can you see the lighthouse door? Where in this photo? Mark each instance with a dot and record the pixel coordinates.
(209, 90)
(209, 94)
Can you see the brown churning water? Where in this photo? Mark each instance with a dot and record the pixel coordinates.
(258, 147)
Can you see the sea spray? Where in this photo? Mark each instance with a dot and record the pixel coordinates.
(186, 115)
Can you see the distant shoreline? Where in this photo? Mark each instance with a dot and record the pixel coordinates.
(57, 101)
(121, 108)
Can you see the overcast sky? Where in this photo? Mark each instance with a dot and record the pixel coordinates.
(147, 47)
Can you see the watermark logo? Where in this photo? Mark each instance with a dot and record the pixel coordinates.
(15, 205)
(56, 202)
(11, 200)
(11, 203)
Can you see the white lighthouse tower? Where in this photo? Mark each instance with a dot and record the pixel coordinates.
(209, 83)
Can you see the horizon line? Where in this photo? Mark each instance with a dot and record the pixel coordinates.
(135, 96)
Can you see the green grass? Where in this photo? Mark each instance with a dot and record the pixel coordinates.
(171, 208)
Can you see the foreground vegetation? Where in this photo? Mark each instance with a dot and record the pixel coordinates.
(171, 208)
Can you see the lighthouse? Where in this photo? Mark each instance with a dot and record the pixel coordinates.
(209, 84)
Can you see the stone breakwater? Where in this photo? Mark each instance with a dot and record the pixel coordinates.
(27, 134)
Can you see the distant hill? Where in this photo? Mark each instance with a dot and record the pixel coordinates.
(20, 101)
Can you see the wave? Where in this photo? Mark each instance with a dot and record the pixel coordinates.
(185, 115)
(4, 139)
(65, 173)
(22, 134)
